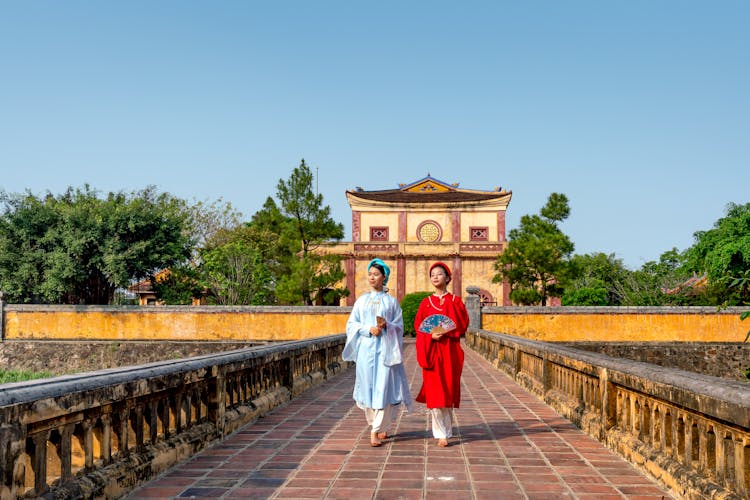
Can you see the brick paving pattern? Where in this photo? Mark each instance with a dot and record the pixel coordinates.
(508, 445)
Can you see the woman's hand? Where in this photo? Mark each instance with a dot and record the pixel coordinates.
(437, 332)
(380, 322)
(375, 331)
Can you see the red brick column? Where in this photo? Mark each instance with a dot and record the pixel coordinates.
(501, 226)
(356, 224)
(351, 282)
(401, 277)
(456, 281)
(402, 226)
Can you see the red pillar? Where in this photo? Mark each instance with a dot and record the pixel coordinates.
(351, 282)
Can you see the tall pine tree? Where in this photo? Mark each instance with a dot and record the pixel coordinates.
(536, 263)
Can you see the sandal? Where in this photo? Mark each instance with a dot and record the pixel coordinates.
(374, 441)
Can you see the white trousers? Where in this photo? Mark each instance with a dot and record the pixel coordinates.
(380, 420)
(442, 422)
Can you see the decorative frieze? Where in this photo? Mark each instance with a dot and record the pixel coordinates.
(495, 248)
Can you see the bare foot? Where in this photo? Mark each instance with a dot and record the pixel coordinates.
(382, 435)
(442, 442)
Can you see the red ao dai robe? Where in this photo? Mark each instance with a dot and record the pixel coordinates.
(442, 361)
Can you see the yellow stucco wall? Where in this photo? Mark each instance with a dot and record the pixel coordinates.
(482, 271)
(414, 219)
(723, 326)
(379, 219)
(479, 219)
(174, 323)
(292, 323)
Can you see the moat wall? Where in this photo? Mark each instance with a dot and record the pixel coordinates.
(725, 360)
(618, 324)
(65, 339)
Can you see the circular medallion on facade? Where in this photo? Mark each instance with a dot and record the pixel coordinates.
(429, 232)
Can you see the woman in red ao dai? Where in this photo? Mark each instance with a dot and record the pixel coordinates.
(440, 355)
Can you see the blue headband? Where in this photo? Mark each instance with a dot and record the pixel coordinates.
(382, 264)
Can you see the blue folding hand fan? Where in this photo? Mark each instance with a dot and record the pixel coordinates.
(434, 320)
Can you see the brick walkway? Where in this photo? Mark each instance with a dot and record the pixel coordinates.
(509, 445)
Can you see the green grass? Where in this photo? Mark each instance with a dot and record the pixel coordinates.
(8, 376)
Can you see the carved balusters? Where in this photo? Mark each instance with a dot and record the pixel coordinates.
(87, 427)
(655, 430)
(707, 459)
(667, 432)
(136, 423)
(152, 416)
(216, 401)
(742, 466)
(189, 416)
(681, 438)
(38, 454)
(106, 438)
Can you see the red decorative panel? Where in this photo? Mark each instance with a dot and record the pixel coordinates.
(378, 233)
(479, 233)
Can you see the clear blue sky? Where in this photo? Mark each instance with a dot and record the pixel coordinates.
(639, 111)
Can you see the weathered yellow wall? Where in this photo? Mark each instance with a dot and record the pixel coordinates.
(479, 219)
(414, 219)
(379, 219)
(291, 323)
(482, 271)
(703, 324)
(173, 323)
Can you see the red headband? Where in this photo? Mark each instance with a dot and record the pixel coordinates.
(443, 265)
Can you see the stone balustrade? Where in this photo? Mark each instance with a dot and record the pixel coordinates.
(100, 434)
(690, 431)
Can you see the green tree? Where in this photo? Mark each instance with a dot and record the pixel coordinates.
(598, 280)
(723, 255)
(179, 285)
(536, 263)
(276, 236)
(211, 224)
(235, 274)
(78, 248)
(658, 283)
(306, 225)
(210, 219)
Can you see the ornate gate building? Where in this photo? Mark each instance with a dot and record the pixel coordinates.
(419, 223)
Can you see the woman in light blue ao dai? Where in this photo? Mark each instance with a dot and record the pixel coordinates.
(374, 341)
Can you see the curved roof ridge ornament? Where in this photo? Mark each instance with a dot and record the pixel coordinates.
(428, 184)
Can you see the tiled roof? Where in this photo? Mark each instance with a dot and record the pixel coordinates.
(429, 190)
(399, 196)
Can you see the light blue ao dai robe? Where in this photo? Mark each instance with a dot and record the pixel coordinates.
(380, 375)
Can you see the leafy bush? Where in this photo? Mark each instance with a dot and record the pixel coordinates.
(587, 296)
(8, 376)
(409, 305)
